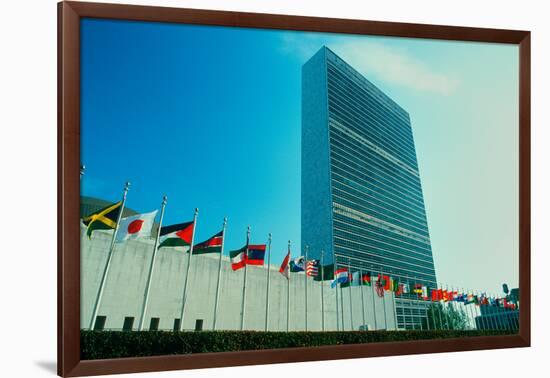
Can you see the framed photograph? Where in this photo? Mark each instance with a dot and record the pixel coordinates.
(239, 188)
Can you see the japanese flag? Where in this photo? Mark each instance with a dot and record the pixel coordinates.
(136, 226)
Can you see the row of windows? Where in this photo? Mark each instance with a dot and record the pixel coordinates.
(381, 168)
(335, 63)
(366, 159)
(341, 198)
(364, 107)
(366, 241)
(128, 324)
(347, 180)
(374, 127)
(369, 129)
(383, 263)
(410, 311)
(344, 257)
(367, 148)
(412, 246)
(367, 177)
(396, 120)
(350, 198)
(369, 246)
(340, 116)
(361, 220)
(356, 192)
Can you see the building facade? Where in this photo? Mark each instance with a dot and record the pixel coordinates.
(497, 318)
(361, 307)
(362, 199)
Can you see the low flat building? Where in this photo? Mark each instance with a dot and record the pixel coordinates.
(125, 286)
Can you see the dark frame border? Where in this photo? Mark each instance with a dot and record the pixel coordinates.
(69, 14)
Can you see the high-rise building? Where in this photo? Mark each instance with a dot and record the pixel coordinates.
(362, 200)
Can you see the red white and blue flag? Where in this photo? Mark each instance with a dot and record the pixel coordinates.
(340, 276)
(312, 268)
(256, 254)
(252, 254)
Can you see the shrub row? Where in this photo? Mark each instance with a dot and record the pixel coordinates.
(116, 344)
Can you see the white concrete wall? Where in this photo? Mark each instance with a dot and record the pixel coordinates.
(126, 281)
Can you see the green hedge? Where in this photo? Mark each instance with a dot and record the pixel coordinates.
(116, 344)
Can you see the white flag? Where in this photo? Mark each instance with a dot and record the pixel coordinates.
(136, 226)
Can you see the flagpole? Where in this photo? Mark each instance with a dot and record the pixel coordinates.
(494, 323)
(439, 306)
(495, 313)
(474, 314)
(305, 283)
(445, 313)
(384, 301)
(336, 297)
(421, 325)
(342, 306)
(267, 291)
(288, 292)
(464, 303)
(362, 297)
(322, 293)
(434, 305)
(395, 307)
(109, 259)
(219, 276)
(447, 307)
(243, 307)
(373, 292)
(151, 267)
(350, 277)
(186, 282)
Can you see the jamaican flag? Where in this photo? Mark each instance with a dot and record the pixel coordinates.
(104, 219)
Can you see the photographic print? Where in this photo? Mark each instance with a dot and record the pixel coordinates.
(246, 189)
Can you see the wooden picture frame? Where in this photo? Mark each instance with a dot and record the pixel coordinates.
(69, 16)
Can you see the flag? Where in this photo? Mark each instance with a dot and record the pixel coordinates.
(104, 219)
(437, 295)
(285, 268)
(212, 245)
(297, 265)
(395, 287)
(417, 289)
(387, 283)
(365, 279)
(355, 279)
(176, 235)
(405, 288)
(312, 268)
(136, 226)
(327, 272)
(340, 276)
(255, 254)
(238, 258)
(451, 296)
(360, 279)
(425, 293)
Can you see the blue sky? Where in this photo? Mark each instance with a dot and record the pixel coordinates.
(210, 116)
